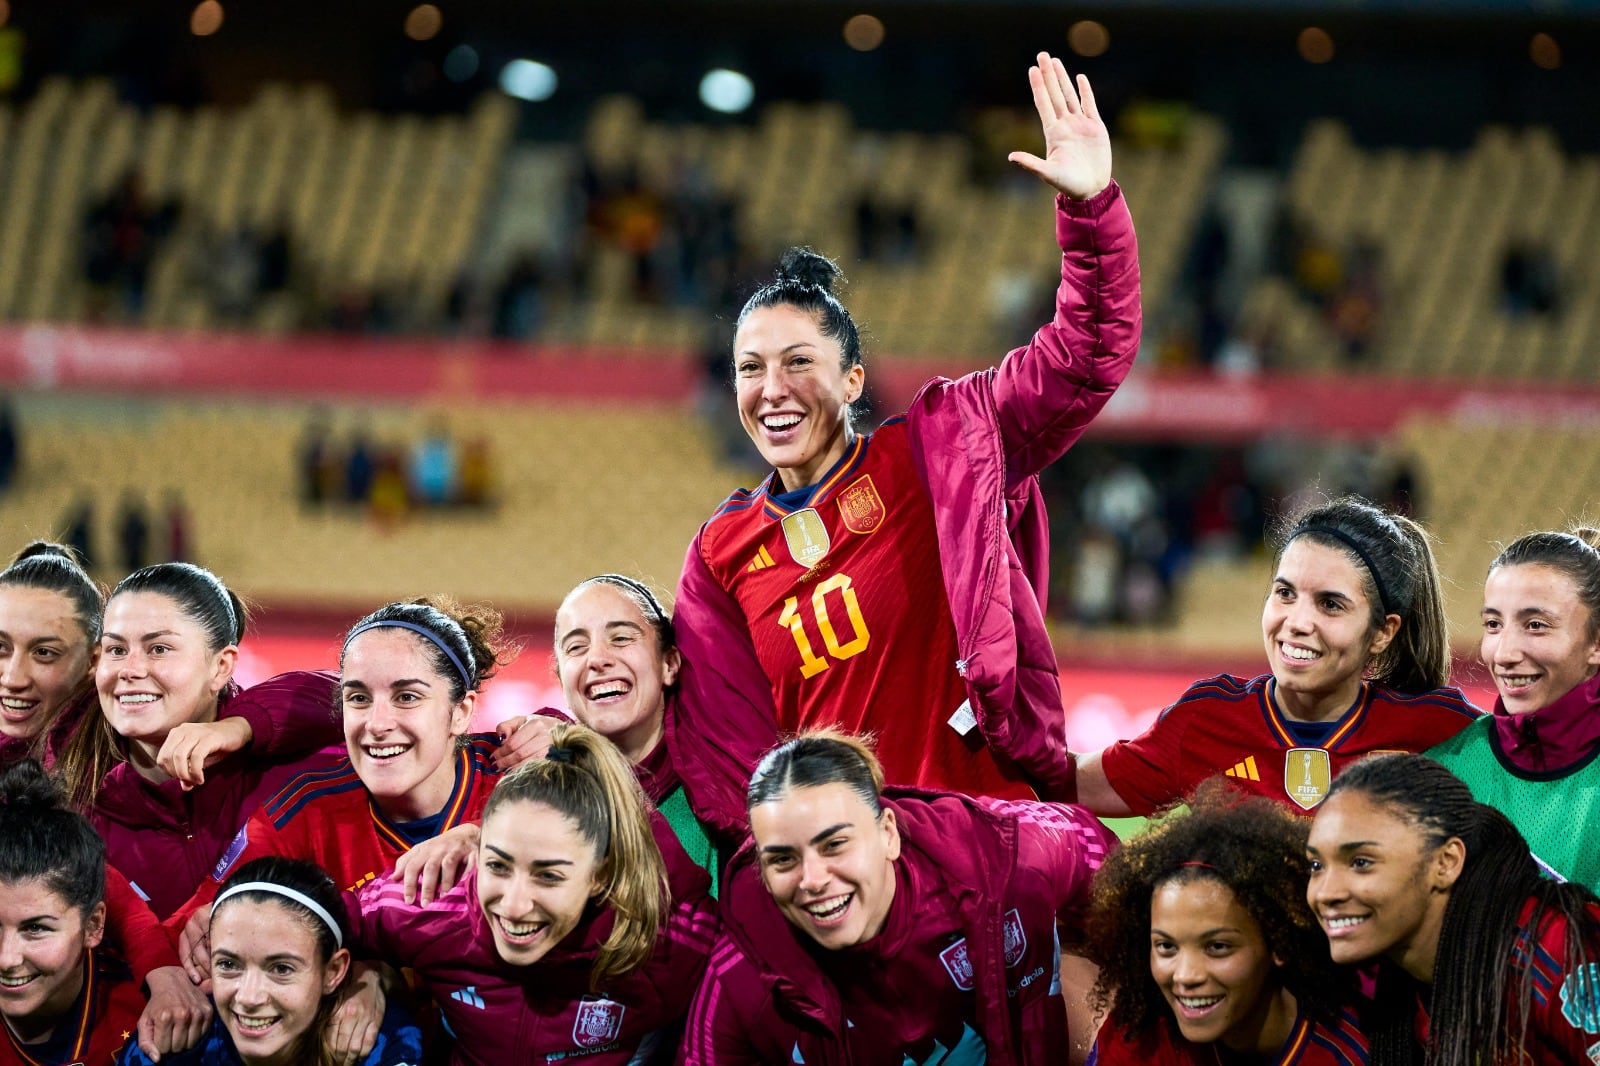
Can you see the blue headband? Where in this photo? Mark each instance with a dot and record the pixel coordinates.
(395, 623)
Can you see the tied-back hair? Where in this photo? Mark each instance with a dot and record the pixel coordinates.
(1252, 847)
(471, 631)
(42, 838)
(805, 280)
(585, 778)
(814, 758)
(315, 883)
(201, 597)
(50, 567)
(1394, 557)
(645, 599)
(1482, 993)
(1573, 554)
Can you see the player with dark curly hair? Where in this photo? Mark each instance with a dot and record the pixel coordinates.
(1203, 937)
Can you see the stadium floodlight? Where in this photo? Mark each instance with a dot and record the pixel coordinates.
(527, 79)
(461, 63)
(726, 91)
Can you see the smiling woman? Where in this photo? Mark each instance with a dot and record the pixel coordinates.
(49, 643)
(582, 930)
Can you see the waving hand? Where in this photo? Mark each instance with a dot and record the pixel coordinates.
(1077, 160)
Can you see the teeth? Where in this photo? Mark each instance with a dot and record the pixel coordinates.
(520, 929)
(780, 421)
(830, 908)
(610, 688)
(1302, 654)
(1199, 1002)
(386, 752)
(140, 697)
(254, 1023)
(15, 982)
(15, 705)
(1518, 681)
(1343, 923)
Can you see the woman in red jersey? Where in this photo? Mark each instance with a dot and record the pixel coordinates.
(1482, 960)
(1207, 950)
(1356, 640)
(168, 644)
(63, 999)
(798, 600)
(872, 925)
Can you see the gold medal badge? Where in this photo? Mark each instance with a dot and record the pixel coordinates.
(1307, 773)
(807, 536)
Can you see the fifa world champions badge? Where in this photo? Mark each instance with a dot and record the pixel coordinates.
(1307, 773)
(807, 536)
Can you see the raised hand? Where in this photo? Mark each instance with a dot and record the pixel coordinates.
(1077, 159)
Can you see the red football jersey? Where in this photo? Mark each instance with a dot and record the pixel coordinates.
(1226, 725)
(1337, 1043)
(850, 618)
(328, 816)
(105, 1014)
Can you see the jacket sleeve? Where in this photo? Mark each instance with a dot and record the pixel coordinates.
(1065, 844)
(1048, 392)
(256, 839)
(135, 927)
(723, 720)
(290, 715)
(717, 1033)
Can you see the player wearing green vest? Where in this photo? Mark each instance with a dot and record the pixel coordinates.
(1537, 757)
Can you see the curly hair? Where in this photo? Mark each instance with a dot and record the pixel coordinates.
(1253, 847)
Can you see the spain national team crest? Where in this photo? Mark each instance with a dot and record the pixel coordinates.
(1016, 938)
(861, 507)
(1307, 773)
(599, 1022)
(958, 964)
(807, 536)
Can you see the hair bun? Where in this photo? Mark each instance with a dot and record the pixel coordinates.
(26, 789)
(806, 267)
(47, 548)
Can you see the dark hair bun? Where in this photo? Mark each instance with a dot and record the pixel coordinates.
(806, 267)
(27, 790)
(49, 548)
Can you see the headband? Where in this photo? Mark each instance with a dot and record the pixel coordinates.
(395, 623)
(287, 893)
(1349, 542)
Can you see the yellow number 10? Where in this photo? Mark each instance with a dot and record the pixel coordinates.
(810, 663)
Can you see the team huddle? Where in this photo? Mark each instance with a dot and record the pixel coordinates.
(824, 812)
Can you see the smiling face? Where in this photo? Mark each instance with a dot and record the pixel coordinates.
(268, 978)
(793, 395)
(400, 724)
(536, 875)
(828, 862)
(1536, 636)
(1376, 887)
(613, 671)
(1213, 966)
(45, 658)
(155, 671)
(42, 944)
(1317, 625)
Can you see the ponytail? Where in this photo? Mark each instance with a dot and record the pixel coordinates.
(585, 778)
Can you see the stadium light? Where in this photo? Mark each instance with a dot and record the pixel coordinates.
(424, 22)
(461, 62)
(1315, 44)
(1089, 38)
(863, 32)
(726, 91)
(206, 18)
(528, 80)
(1545, 51)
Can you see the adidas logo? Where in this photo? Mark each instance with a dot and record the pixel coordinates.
(469, 996)
(1246, 770)
(761, 561)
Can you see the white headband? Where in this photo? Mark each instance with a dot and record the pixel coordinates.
(288, 893)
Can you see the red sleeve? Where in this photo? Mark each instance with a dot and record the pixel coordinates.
(1049, 391)
(1066, 844)
(135, 927)
(723, 720)
(255, 839)
(290, 715)
(1112, 1047)
(717, 1032)
(1147, 770)
(1566, 1009)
